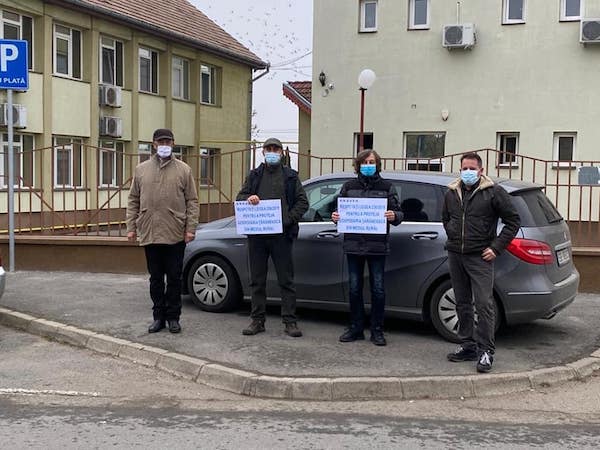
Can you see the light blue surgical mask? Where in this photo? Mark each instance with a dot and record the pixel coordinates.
(469, 176)
(272, 158)
(368, 170)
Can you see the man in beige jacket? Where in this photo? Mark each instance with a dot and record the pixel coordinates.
(162, 213)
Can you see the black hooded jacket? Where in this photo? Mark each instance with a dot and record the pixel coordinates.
(471, 220)
(371, 187)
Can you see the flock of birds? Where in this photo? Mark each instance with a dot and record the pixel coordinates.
(269, 29)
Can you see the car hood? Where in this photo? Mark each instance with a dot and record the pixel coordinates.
(216, 224)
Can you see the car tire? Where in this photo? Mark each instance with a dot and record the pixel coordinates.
(442, 311)
(213, 284)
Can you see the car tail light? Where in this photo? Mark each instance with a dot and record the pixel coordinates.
(533, 252)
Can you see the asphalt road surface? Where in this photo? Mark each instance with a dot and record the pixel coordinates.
(53, 396)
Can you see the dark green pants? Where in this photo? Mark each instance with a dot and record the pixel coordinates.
(279, 248)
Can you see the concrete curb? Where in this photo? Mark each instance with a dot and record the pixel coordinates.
(308, 388)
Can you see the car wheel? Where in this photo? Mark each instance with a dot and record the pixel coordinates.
(213, 284)
(442, 310)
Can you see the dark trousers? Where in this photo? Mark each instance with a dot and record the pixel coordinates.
(279, 248)
(165, 259)
(356, 268)
(473, 283)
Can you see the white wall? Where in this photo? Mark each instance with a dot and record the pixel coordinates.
(533, 78)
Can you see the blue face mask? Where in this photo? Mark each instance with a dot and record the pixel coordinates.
(272, 158)
(469, 176)
(368, 170)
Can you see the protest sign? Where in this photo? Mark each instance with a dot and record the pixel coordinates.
(362, 215)
(264, 218)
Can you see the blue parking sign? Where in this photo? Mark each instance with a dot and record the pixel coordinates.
(14, 72)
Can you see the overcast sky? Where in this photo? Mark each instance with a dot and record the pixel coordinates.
(279, 32)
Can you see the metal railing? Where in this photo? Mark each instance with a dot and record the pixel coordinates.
(82, 190)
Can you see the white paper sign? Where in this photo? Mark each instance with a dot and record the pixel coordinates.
(362, 215)
(264, 218)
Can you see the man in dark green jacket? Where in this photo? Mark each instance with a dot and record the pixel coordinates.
(272, 180)
(472, 207)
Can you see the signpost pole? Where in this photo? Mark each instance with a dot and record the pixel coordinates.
(11, 183)
(14, 74)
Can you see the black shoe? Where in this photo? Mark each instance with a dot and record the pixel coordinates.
(255, 327)
(291, 329)
(156, 326)
(485, 362)
(351, 335)
(462, 354)
(174, 326)
(378, 338)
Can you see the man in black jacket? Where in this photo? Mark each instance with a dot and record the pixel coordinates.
(272, 180)
(472, 207)
(370, 249)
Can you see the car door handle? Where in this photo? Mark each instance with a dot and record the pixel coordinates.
(328, 234)
(425, 235)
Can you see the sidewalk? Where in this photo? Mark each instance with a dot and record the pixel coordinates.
(212, 350)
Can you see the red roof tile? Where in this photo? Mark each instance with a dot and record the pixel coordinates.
(300, 93)
(173, 17)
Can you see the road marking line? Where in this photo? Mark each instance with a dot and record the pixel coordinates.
(9, 391)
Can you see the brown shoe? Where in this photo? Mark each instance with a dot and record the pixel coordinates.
(255, 327)
(291, 329)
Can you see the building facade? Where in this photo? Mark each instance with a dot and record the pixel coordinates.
(524, 84)
(103, 76)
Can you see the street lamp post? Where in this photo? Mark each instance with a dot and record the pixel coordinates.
(366, 78)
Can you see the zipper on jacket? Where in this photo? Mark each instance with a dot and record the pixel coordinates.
(464, 208)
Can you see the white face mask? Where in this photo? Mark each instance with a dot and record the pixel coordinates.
(164, 151)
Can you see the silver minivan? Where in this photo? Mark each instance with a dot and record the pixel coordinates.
(535, 278)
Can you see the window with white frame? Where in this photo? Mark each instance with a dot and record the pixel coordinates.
(570, 9)
(418, 14)
(23, 160)
(209, 166)
(565, 145)
(110, 163)
(67, 162)
(148, 60)
(508, 144)
(181, 77)
(144, 151)
(16, 26)
(208, 84)
(367, 142)
(181, 152)
(514, 11)
(67, 51)
(111, 61)
(368, 16)
(424, 151)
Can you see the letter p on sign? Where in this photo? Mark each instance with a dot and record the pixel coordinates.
(8, 52)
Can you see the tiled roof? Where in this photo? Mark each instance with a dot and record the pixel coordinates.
(174, 18)
(300, 93)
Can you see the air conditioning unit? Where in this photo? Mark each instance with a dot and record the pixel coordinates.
(590, 31)
(19, 116)
(459, 36)
(111, 126)
(110, 96)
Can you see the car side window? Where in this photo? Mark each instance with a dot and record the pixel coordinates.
(420, 202)
(322, 200)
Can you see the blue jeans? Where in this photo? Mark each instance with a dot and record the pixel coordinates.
(356, 267)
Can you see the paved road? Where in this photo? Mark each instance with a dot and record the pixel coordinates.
(54, 396)
(119, 305)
